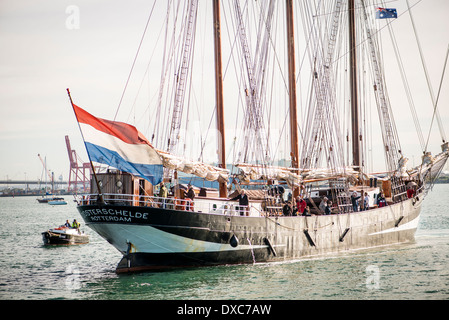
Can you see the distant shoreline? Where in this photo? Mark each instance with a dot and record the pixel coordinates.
(440, 180)
(34, 195)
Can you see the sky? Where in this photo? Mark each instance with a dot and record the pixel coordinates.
(45, 50)
(89, 46)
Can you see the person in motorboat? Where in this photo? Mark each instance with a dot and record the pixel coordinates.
(75, 224)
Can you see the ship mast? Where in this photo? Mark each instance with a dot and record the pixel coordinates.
(219, 95)
(353, 84)
(292, 90)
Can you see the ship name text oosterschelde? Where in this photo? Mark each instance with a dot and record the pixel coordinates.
(117, 215)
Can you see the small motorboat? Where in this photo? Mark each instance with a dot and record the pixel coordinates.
(57, 202)
(49, 199)
(64, 236)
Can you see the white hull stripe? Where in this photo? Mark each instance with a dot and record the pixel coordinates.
(152, 240)
(406, 226)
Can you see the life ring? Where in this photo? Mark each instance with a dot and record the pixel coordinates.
(189, 204)
(180, 204)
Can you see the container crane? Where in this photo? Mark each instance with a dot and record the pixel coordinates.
(80, 171)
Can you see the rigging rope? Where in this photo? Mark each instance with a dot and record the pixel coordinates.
(135, 59)
(438, 96)
(256, 141)
(407, 88)
(434, 102)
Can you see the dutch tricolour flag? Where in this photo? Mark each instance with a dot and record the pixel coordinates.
(119, 145)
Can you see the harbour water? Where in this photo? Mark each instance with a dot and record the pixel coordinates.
(31, 271)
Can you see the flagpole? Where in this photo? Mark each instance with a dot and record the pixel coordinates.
(100, 193)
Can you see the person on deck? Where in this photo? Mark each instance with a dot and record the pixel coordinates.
(190, 195)
(354, 200)
(366, 201)
(287, 209)
(323, 205)
(163, 194)
(301, 204)
(328, 208)
(190, 192)
(378, 198)
(243, 202)
(410, 192)
(381, 202)
(306, 211)
(67, 224)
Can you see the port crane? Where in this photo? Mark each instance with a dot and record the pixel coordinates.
(80, 171)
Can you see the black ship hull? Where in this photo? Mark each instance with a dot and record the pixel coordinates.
(154, 238)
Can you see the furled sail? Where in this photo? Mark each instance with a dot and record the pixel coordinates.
(254, 172)
(200, 169)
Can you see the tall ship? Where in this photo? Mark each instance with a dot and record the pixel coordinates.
(297, 179)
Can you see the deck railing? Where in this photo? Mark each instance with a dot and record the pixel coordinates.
(198, 205)
(201, 205)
